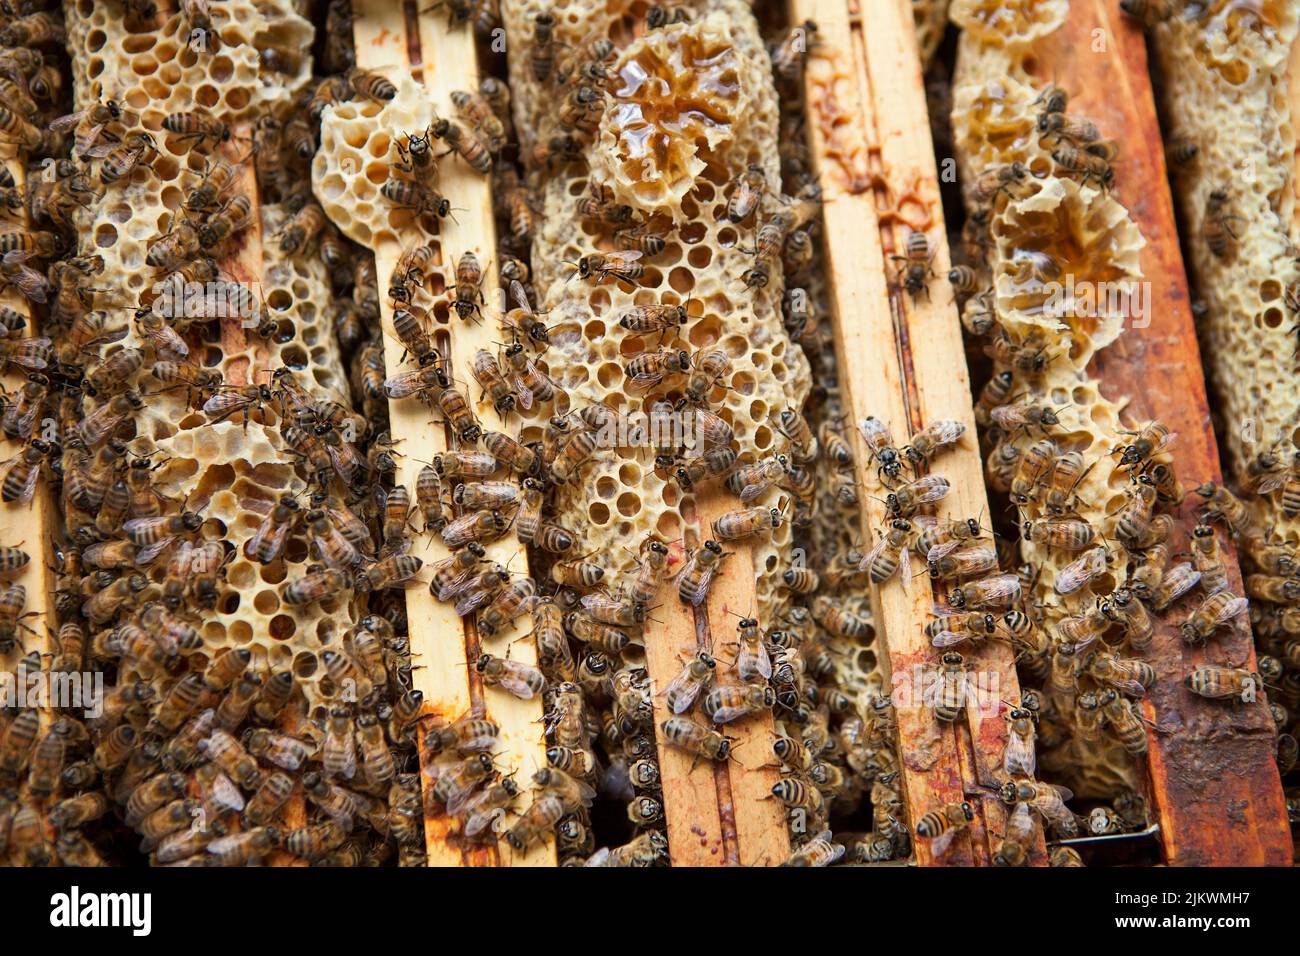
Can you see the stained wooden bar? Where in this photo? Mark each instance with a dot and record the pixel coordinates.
(1213, 772)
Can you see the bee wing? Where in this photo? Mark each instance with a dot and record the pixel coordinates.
(645, 381)
(947, 431)
(1003, 587)
(763, 662)
(484, 820)
(724, 715)
(69, 121)
(940, 845)
(933, 492)
(875, 433)
(948, 639)
(1186, 579)
(876, 550)
(598, 604)
(523, 394)
(520, 296)
(702, 590)
(1076, 574)
(753, 491)
(29, 486)
(271, 533)
(403, 384)
(1271, 483)
(1230, 610)
(599, 858)
(459, 796)
(682, 691)
(518, 687)
(456, 585)
(147, 555)
(460, 531)
(1020, 825)
(224, 403)
(225, 794)
(905, 567)
(472, 601)
(1131, 687)
(624, 256)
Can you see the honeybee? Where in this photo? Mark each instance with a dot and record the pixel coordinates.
(195, 127)
(1000, 590)
(1222, 503)
(268, 541)
(14, 272)
(942, 826)
(523, 319)
(889, 553)
(315, 586)
(1018, 759)
(1217, 228)
(997, 180)
(520, 680)
(712, 464)
(659, 16)
(746, 194)
(931, 439)
(622, 265)
(1133, 677)
(951, 629)
(1215, 611)
(644, 319)
(1208, 559)
(839, 621)
(541, 55)
(696, 575)
(1176, 582)
(951, 688)
(970, 561)
(1124, 718)
(302, 228)
(1082, 571)
(1124, 606)
(488, 807)
(903, 501)
(1048, 799)
(475, 109)
(1133, 520)
(373, 86)
(456, 784)
(464, 142)
(233, 216)
(687, 684)
(708, 367)
(880, 446)
(916, 270)
(579, 447)
(530, 383)
(1224, 682)
(726, 703)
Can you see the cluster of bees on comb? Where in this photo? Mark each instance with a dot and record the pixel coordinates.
(209, 754)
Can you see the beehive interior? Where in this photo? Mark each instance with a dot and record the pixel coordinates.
(690, 102)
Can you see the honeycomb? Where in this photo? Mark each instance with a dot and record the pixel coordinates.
(233, 473)
(1229, 99)
(619, 497)
(229, 470)
(1052, 228)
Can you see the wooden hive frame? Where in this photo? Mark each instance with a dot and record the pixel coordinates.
(901, 359)
(1213, 772)
(394, 40)
(1203, 757)
(29, 525)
